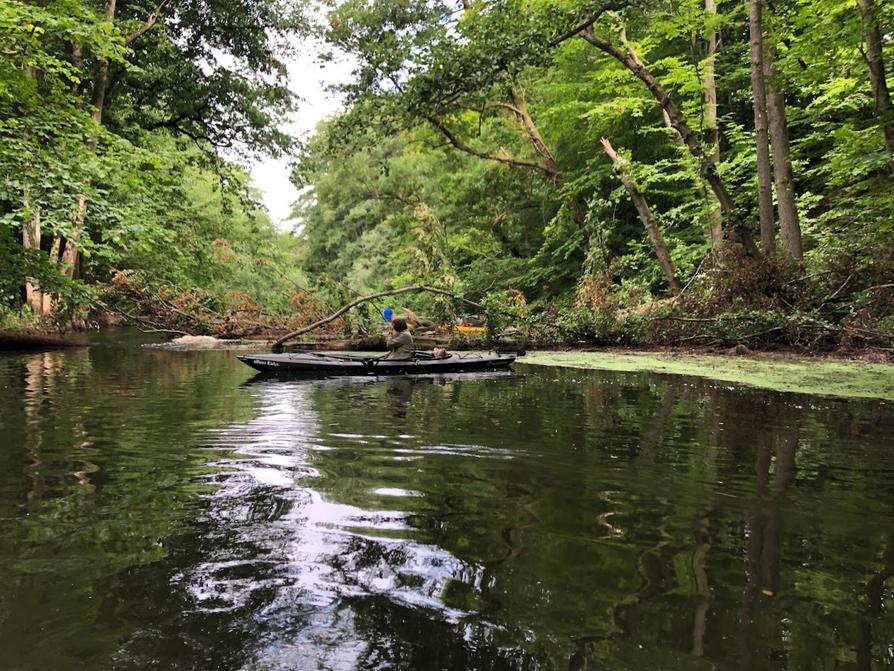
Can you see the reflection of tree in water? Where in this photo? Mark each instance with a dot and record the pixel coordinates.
(775, 451)
(868, 647)
(46, 377)
(285, 579)
(76, 479)
(676, 579)
(500, 512)
(564, 519)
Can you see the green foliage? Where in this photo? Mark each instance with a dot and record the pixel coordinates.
(23, 319)
(111, 128)
(489, 116)
(610, 326)
(468, 157)
(505, 309)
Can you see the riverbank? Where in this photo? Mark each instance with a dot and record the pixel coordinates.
(19, 340)
(821, 376)
(825, 376)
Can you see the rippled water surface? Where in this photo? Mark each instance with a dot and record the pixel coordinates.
(169, 510)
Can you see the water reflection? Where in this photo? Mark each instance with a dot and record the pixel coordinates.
(44, 373)
(551, 519)
(309, 567)
(95, 471)
(660, 541)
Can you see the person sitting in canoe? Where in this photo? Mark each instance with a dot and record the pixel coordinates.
(399, 341)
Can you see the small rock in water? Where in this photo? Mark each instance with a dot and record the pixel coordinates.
(190, 342)
(196, 342)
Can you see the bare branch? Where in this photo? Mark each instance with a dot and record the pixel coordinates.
(504, 105)
(503, 158)
(151, 20)
(589, 21)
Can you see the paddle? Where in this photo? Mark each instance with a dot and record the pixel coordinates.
(367, 360)
(347, 357)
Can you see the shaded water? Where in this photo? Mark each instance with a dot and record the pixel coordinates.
(165, 510)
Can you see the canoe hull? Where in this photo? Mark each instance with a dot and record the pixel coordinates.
(299, 362)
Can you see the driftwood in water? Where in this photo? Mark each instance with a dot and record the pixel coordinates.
(366, 343)
(10, 340)
(362, 299)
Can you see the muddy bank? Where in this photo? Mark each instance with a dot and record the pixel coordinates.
(15, 340)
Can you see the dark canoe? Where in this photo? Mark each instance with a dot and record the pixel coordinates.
(347, 364)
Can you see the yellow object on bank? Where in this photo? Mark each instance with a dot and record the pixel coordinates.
(471, 329)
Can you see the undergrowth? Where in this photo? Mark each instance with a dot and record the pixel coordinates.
(833, 303)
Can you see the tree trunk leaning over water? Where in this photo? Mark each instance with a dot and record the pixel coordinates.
(362, 299)
(622, 170)
(761, 138)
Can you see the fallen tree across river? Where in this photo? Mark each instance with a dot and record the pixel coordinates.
(362, 299)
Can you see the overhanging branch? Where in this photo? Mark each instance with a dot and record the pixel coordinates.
(362, 299)
(503, 158)
(589, 21)
(150, 21)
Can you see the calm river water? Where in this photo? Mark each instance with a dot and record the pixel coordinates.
(168, 510)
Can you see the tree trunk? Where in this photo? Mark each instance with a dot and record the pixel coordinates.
(735, 231)
(783, 175)
(46, 307)
(872, 32)
(70, 253)
(622, 170)
(100, 86)
(578, 213)
(761, 138)
(712, 134)
(31, 227)
(31, 240)
(101, 74)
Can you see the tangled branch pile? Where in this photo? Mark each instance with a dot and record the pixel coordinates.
(196, 312)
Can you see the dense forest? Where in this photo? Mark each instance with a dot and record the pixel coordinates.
(122, 129)
(679, 172)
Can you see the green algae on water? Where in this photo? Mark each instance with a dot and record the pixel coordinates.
(858, 379)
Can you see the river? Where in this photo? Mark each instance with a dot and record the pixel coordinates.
(170, 510)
